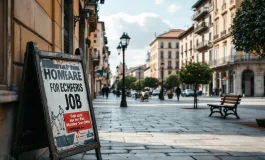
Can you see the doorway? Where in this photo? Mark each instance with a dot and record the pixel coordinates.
(248, 83)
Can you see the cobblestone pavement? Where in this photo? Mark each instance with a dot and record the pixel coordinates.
(167, 130)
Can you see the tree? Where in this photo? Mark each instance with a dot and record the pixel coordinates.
(128, 81)
(196, 74)
(151, 82)
(136, 85)
(248, 27)
(172, 81)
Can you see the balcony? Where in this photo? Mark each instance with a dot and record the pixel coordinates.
(235, 59)
(201, 12)
(202, 45)
(201, 27)
(169, 67)
(216, 36)
(210, 7)
(223, 33)
(95, 59)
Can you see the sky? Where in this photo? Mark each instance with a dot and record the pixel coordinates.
(142, 20)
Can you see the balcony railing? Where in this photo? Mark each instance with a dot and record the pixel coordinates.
(235, 59)
(223, 33)
(200, 13)
(202, 45)
(201, 27)
(169, 67)
(215, 36)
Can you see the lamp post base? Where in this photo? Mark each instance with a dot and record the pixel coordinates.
(123, 103)
(161, 96)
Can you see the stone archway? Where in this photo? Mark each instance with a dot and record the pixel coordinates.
(248, 82)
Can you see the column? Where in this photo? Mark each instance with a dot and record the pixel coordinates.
(238, 82)
(220, 82)
(227, 82)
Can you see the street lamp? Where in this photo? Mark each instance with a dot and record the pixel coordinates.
(124, 42)
(162, 85)
(139, 69)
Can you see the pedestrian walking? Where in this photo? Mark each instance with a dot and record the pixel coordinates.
(103, 91)
(178, 92)
(107, 92)
(220, 92)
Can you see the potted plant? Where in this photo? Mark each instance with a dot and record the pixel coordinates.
(171, 82)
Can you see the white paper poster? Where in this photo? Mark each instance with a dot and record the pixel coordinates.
(67, 102)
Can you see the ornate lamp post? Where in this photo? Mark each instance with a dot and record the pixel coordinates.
(139, 70)
(125, 39)
(162, 85)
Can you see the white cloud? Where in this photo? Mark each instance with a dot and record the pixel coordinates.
(159, 1)
(141, 28)
(172, 8)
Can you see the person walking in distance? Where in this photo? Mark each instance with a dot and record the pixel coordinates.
(103, 91)
(178, 91)
(107, 92)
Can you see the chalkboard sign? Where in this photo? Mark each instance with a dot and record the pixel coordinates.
(54, 86)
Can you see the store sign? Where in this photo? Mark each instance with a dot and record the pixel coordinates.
(55, 108)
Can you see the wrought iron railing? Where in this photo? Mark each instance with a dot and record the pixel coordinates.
(201, 26)
(235, 59)
(200, 11)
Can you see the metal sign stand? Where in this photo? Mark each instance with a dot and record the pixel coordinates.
(35, 119)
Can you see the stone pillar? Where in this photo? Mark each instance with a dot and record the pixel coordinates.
(259, 83)
(214, 80)
(227, 82)
(220, 82)
(238, 82)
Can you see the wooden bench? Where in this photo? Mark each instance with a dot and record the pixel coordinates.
(229, 105)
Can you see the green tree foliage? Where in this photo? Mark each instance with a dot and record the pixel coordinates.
(248, 27)
(128, 81)
(151, 82)
(196, 74)
(136, 85)
(172, 81)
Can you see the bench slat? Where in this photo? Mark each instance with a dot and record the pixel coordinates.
(232, 99)
(229, 102)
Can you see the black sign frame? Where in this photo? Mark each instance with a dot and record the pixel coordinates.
(27, 136)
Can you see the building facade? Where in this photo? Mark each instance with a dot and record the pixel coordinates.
(235, 72)
(51, 24)
(165, 48)
(186, 43)
(203, 35)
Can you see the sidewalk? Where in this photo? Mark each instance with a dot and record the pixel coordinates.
(165, 130)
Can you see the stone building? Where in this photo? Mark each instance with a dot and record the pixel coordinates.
(56, 25)
(165, 48)
(235, 72)
(186, 43)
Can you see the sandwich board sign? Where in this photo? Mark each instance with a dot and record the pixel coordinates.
(55, 108)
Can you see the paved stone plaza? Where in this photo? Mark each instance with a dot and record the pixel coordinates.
(170, 130)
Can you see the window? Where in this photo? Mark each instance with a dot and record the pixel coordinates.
(169, 54)
(95, 52)
(68, 27)
(161, 45)
(161, 54)
(182, 49)
(224, 22)
(216, 5)
(197, 58)
(169, 72)
(169, 64)
(186, 46)
(177, 45)
(177, 65)
(169, 45)
(3, 58)
(210, 20)
(95, 35)
(210, 36)
(95, 41)
(177, 55)
(216, 28)
(210, 55)
(190, 44)
(224, 53)
(216, 55)
(203, 57)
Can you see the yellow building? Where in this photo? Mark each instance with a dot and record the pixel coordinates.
(165, 48)
(56, 25)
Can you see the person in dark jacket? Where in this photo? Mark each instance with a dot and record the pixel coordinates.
(107, 92)
(178, 92)
(103, 91)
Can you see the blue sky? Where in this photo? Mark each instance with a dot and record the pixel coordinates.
(141, 19)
